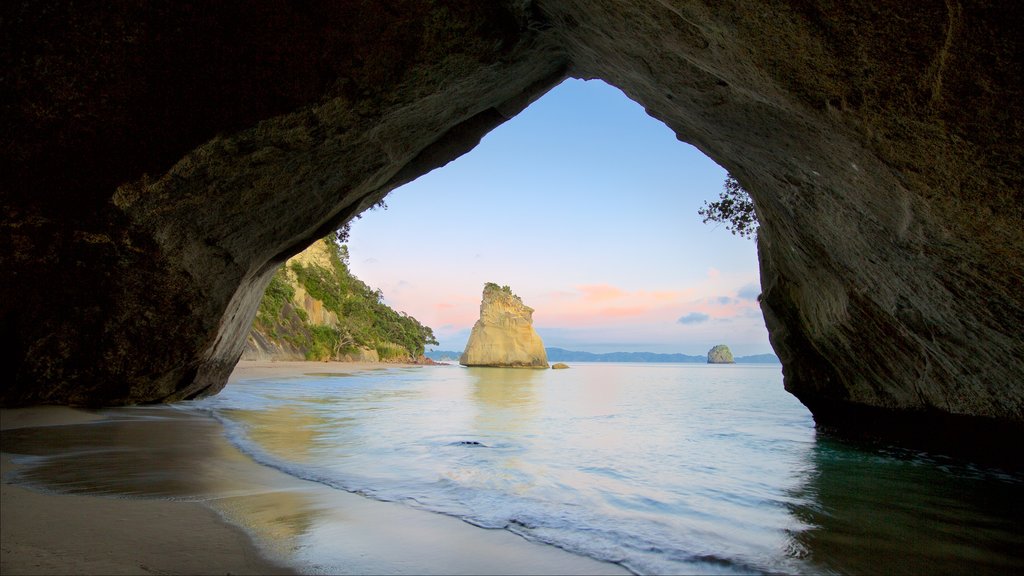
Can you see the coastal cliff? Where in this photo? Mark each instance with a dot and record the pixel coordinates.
(315, 309)
(504, 334)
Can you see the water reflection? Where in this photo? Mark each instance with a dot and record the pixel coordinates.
(504, 387)
(640, 464)
(277, 519)
(289, 430)
(166, 454)
(869, 510)
(505, 399)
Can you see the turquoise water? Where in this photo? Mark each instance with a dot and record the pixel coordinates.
(662, 468)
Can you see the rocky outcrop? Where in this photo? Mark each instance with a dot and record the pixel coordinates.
(504, 334)
(160, 162)
(720, 354)
(285, 333)
(559, 366)
(316, 309)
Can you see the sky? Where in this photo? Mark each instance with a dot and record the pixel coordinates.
(587, 208)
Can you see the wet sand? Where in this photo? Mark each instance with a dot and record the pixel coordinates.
(160, 490)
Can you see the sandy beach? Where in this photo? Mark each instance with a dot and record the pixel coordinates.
(159, 490)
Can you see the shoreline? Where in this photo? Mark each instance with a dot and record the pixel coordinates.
(195, 504)
(256, 369)
(48, 532)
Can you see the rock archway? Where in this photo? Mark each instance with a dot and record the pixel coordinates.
(161, 160)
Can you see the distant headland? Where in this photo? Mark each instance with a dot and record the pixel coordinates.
(562, 355)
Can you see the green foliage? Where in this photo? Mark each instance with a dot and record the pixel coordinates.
(343, 231)
(278, 293)
(734, 208)
(324, 345)
(320, 283)
(387, 351)
(492, 286)
(363, 318)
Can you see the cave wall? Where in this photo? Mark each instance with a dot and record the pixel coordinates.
(882, 145)
(164, 158)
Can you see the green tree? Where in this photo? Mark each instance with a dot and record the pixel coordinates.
(734, 208)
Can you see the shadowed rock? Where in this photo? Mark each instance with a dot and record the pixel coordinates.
(160, 161)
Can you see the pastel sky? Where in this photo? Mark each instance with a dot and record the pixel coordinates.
(587, 208)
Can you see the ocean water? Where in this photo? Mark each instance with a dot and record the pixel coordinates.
(661, 468)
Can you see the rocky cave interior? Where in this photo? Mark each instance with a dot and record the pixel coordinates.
(161, 161)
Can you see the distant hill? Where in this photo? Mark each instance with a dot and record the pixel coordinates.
(758, 359)
(443, 355)
(562, 355)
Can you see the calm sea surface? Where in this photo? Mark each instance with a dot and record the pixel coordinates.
(662, 468)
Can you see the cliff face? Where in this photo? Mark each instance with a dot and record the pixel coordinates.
(288, 314)
(315, 309)
(504, 334)
(161, 162)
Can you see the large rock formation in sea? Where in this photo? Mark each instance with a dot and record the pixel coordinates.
(504, 334)
(720, 354)
(160, 162)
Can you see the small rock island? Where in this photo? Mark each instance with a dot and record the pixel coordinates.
(720, 355)
(504, 334)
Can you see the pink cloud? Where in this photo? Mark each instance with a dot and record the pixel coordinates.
(720, 308)
(601, 292)
(666, 295)
(601, 307)
(596, 304)
(619, 312)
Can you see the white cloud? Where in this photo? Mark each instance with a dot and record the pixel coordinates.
(694, 318)
(749, 291)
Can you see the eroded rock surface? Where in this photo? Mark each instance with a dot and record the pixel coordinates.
(720, 354)
(159, 161)
(504, 334)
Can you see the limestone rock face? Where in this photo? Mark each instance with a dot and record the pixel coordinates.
(504, 334)
(161, 161)
(720, 355)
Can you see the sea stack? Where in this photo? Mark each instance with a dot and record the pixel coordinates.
(504, 334)
(720, 355)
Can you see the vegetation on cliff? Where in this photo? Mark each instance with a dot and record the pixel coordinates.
(734, 208)
(491, 286)
(720, 354)
(352, 317)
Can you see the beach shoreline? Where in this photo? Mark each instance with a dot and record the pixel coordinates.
(199, 505)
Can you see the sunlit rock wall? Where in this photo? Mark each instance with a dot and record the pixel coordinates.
(504, 334)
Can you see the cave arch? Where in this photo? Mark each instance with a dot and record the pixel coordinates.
(162, 161)
(536, 205)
